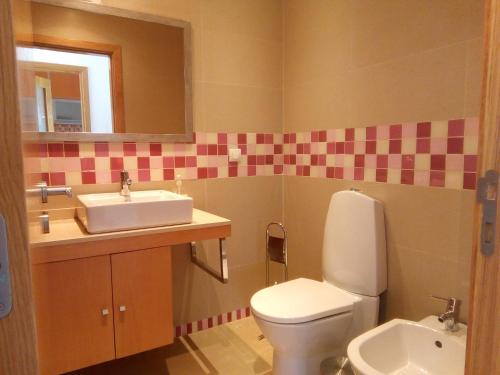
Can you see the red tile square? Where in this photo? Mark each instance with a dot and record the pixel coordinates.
(45, 177)
(180, 161)
(330, 172)
(116, 164)
(57, 178)
(423, 129)
(381, 175)
(212, 149)
(143, 162)
(322, 136)
(349, 134)
(269, 138)
(407, 177)
(322, 159)
(382, 161)
(423, 146)
(438, 162)
(88, 178)
(437, 178)
(395, 146)
(286, 138)
(261, 159)
(395, 131)
(169, 174)
(469, 181)
(191, 161)
(408, 162)
(278, 149)
(222, 139)
(269, 159)
(293, 159)
(359, 160)
(470, 163)
(314, 159)
(339, 148)
(260, 138)
(233, 172)
(456, 128)
(243, 149)
(315, 136)
(168, 162)
(212, 172)
(144, 175)
(293, 137)
(242, 139)
(251, 170)
(306, 171)
(349, 148)
(155, 149)
(278, 169)
(307, 148)
(201, 149)
(222, 150)
(359, 174)
(71, 149)
(101, 149)
(339, 172)
(300, 148)
(129, 149)
(56, 149)
(330, 148)
(371, 133)
(115, 176)
(455, 145)
(202, 173)
(87, 164)
(371, 147)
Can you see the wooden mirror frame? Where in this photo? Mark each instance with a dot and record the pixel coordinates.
(115, 54)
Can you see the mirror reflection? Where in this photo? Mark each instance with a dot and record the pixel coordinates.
(85, 71)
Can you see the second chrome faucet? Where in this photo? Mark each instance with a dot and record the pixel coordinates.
(125, 183)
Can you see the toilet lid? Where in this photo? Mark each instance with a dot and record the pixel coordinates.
(300, 300)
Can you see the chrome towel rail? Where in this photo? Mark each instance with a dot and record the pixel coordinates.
(222, 274)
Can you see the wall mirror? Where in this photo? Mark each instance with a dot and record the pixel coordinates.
(90, 72)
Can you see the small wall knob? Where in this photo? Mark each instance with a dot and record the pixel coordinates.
(122, 308)
(104, 312)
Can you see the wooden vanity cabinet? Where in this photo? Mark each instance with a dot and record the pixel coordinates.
(92, 310)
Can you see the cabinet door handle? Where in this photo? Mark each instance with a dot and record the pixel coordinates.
(123, 308)
(104, 312)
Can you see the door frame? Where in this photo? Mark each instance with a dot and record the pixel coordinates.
(18, 354)
(483, 339)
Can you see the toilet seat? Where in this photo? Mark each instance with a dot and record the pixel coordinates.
(301, 300)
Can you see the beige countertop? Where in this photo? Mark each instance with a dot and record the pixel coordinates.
(70, 231)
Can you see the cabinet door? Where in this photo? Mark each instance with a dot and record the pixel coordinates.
(142, 298)
(73, 309)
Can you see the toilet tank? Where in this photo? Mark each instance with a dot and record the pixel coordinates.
(354, 248)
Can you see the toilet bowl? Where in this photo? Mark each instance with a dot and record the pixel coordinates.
(307, 321)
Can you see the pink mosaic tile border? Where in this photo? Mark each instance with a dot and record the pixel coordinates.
(75, 163)
(437, 153)
(433, 153)
(200, 325)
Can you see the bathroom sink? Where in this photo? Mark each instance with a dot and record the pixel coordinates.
(110, 212)
(409, 348)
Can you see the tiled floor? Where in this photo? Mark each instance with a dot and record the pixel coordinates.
(232, 348)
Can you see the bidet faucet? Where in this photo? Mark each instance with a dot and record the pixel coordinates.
(125, 183)
(450, 316)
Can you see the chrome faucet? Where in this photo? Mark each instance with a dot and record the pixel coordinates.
(44, 191)
(450, 316)
(125, 183)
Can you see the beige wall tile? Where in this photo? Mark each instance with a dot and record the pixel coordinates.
(390, 29)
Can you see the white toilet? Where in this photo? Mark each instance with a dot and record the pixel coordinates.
(307, 321)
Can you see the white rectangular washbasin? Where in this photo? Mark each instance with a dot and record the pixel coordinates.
(404, 347)
(109, 212)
